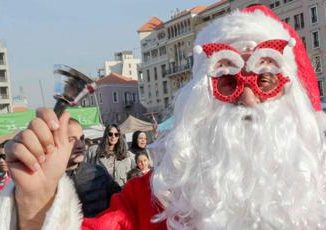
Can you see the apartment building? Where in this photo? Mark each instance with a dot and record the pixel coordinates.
(154, 86)
(5, 93)
(117, 98)
(308, 18)
(167, 53)
(124, 63)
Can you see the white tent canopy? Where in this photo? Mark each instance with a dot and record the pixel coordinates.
(94, 132)
(132, 124)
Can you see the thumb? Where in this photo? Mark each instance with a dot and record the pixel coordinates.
(61, 135)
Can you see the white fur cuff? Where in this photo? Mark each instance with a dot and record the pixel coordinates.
(65, 212)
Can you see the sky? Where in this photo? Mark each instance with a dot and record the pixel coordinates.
(83, 34)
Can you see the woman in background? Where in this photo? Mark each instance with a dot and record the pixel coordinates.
(112, 154)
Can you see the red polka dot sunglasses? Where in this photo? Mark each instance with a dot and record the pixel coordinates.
(261, 72)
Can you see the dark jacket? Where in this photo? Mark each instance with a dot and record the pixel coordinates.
(94, 187)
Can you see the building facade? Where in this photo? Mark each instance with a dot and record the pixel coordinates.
(167, 54)
(124, 64)
(117, 98)
(5, 92)
(154, 86)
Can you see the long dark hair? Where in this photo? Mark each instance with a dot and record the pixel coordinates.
(134, 148)
(120, 148)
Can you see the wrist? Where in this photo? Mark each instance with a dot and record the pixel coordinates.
(32, 208)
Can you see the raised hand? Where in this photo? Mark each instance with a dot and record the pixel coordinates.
(37, 158)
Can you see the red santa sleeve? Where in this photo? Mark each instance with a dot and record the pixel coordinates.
(130, 209)
(118, 216)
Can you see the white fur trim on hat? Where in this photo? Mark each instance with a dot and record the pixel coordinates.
(291, 42)
(261, 53)
(198, 49)
(268, 69)
(230, 55)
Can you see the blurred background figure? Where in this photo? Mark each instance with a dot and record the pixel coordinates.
(139, 145)
(143, 162)
(93, 184)
(143, 165)
(4, 176)
(112, 154)
(139, 142)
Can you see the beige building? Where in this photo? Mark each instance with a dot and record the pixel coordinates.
(124, 64)
(154, 86)
(167, 56)
(5, 93)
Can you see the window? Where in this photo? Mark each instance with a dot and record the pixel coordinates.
(163, 70)
(315, 39)
(165, 87)
(317, 63)
(154, 53)
(148, 76)
(155, 73)
(321, 87)
(134, 97)
(162, 50)
(3, 75)
(141, 89)
(100, 98)
(149, 91)
(127, 97)
(2, 58)
(115, 97)
(298, 21)
(287, 1)
(166, 102)
(313, 14)
(274, 4)
(147, 56)
(156, 90)
(130, 73)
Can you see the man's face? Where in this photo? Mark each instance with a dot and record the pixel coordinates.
(76, 137)
(246, 77)
(3, 163)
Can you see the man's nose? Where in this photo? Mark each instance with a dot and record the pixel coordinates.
(79, 144)
(248, 98)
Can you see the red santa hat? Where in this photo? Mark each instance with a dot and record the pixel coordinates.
(305, 71)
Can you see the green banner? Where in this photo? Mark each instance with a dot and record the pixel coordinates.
(10, 122)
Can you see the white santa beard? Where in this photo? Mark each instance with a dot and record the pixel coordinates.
(226, 172)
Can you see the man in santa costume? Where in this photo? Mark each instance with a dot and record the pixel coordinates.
(247, 150)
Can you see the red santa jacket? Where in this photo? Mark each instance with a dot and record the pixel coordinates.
(130, 209)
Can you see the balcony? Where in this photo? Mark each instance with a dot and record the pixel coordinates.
(177, 69)
(4, 96)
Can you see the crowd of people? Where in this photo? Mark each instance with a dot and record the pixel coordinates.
(98, 170)
(247, 149)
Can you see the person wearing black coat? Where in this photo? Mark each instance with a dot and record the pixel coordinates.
(93, 183)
